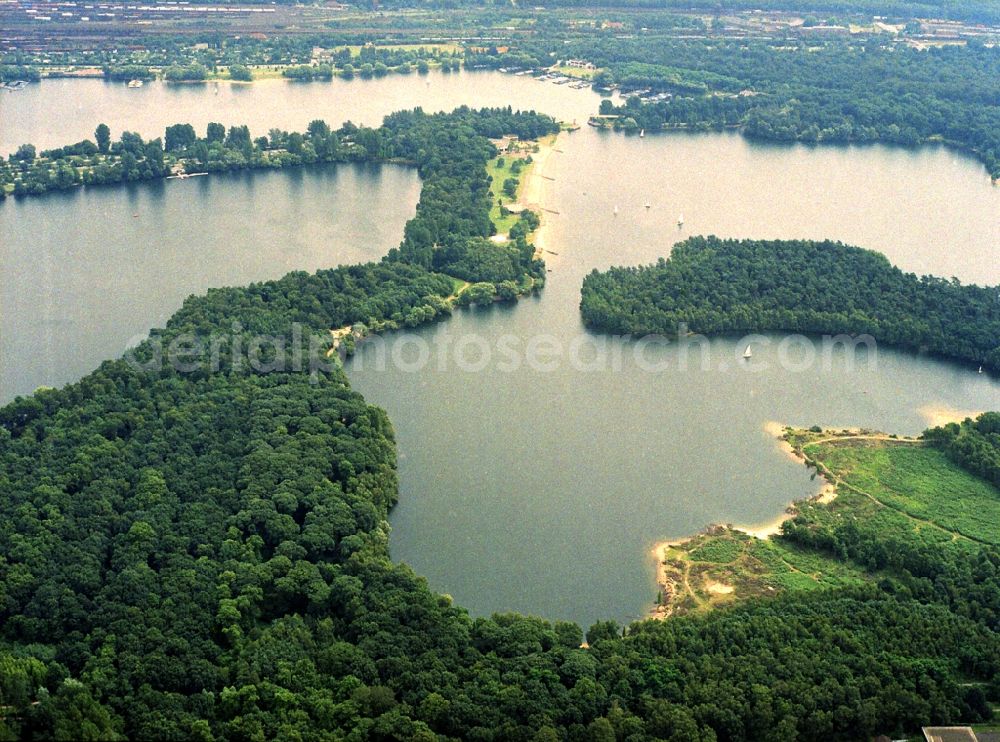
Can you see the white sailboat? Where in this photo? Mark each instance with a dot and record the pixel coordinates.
(642, 133)
(747, 354)
(680, 221)
(980, 369)
(648, 205)
(616, 210)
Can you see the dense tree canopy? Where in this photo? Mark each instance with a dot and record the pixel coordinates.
(450, 150)
(713, 285)
(833, 91)
(973, 444)
(204, 554)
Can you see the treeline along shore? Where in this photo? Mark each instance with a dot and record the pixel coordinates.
(202, 553)
(711, 285)
(449, 234)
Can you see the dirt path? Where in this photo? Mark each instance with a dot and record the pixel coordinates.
(838, 481)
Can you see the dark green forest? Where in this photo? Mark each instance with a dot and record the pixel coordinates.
(450, 150)
(865, 89)
(973, 445)
(783, 87)
(204, 555)
(713, 285)
(835, 92)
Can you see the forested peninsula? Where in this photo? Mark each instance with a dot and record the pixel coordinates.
(409, 137)
(204, 555)
(202, 552)
(834, 92)
(711, 285)
(450, 232)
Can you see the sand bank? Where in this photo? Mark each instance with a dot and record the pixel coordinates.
(937, 414)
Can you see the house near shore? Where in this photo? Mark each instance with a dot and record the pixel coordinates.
(513, 148)
(506, 143)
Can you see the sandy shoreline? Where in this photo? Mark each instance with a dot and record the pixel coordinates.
(941, 414)
(763, 530)
(532, 194)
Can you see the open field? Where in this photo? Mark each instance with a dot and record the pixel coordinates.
(918, 481)
(724, 565)
(517, 165)
(889, 488)
(575, 72)
(500, 169)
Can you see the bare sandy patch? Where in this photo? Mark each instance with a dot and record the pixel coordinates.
(768, 528)
(718, 588)
(937, 414)
(533, 194)
(777, 431)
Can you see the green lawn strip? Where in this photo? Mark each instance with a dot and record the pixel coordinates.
(500, 173)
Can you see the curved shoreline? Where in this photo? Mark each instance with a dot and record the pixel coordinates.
(762, 530)
(937, 415)
(827, 493)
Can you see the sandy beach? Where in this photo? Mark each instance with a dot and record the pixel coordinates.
(826, 494)
(533, 193)
(763, 530)
(940, 414)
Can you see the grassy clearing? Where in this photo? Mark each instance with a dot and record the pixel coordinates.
(458, 286)
(725, 565)
(575, 72)
(718, 551)
(500, 169)
(887, 488)
(918, 481)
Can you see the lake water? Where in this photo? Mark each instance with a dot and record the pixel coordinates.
(87, 273)
(543, 490)
(532, 489)
(57, 112)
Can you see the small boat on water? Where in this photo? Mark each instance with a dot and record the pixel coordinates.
(680, 221)
(616, 211)
(642, 133)
(134, 84)
(747, 354)
(648, 205)
(980, 369)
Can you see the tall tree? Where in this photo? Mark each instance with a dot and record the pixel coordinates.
(103, 136)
